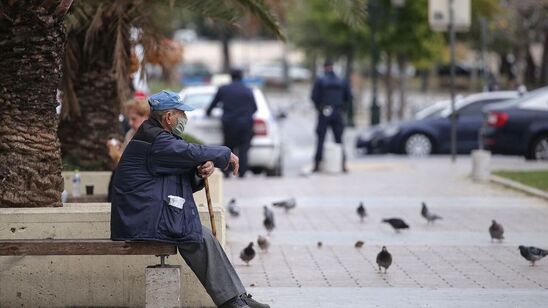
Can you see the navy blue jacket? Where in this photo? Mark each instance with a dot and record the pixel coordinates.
(154, 165)
(238, 104)
(330, 90)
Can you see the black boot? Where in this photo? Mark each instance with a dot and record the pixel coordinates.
(235, 302)
(251, 302)
(316, 167)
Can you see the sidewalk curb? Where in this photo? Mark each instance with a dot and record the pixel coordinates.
(518, 186)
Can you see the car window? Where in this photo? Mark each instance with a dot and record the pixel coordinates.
(477, 107)
(199, 101)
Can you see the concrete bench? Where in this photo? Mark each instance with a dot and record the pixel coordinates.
(163, 283)
(94, 280)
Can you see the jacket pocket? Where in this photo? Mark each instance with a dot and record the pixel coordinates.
(172, 221)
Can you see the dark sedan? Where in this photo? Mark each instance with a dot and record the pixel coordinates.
(431, 134)
(519, 127)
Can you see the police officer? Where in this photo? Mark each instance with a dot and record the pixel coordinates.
(238, 109)
(331, 96)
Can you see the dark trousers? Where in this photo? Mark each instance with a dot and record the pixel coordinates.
(336, 122)
(238, 139)
(210, 264)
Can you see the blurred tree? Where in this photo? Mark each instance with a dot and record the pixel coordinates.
(406, 36)
(97, 63)
(33, 37)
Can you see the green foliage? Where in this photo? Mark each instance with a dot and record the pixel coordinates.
(537, 178)
(319, 29)
(405, 31)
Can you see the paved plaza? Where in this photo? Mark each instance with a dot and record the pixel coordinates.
(451, 263)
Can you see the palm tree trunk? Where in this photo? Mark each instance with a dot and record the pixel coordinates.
(83, 137)
(31, 44)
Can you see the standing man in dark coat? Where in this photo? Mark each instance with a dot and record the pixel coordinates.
(331, 96)
(238, 109)
(152, 197)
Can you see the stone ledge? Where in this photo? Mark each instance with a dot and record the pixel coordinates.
(519, 186)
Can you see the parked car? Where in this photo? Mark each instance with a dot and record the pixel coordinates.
(194, 74)
(519, 127)
(431, 133)
(266, 146)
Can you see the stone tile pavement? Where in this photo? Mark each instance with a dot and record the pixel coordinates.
(452, 263)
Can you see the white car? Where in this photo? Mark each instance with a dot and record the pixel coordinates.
(266, 147)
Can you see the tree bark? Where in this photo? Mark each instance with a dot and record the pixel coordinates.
(544, 66)
(402, 65)
(389, 88)
(84, 137)
(225, 50)
(31, 45)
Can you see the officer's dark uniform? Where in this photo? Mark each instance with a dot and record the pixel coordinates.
(238, 109)
(330, 95)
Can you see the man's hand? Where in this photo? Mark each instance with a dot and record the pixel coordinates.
(235, 163)
(206, 169)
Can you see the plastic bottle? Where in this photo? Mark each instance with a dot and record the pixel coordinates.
(76, 183)
(64, 196)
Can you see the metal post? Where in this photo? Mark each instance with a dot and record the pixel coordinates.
(375, 108)
(483, 24)
(452, 83)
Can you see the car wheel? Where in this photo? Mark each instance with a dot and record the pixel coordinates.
(256, 170)
(539, 148)
(418, 145)
(276, 171)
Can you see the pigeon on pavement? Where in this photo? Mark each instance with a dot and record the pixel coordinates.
(359, 244)
(268, 221)
(496, 231)
(361, 211)
(532, 254)
(396, 223)
(263, 243)
(430, 217)
(233, 208)
(384, 259)
(247, 253)
(286, 204)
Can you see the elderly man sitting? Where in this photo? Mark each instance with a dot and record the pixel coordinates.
(152, 197)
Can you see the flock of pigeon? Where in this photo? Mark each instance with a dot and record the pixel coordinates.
(384, 258)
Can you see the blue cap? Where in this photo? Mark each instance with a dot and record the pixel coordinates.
(165, 100)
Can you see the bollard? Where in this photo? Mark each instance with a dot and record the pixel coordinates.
(481, 160)
(332, 158)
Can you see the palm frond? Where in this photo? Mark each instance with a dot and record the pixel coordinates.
(353, 12)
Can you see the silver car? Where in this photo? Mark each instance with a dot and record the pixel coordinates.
(266, 147)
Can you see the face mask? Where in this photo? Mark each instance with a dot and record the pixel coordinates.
(179, 126)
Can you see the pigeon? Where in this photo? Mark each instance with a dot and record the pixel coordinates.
(532, 254)
(361, 211)
(320, 244)
(268, 221)
(286, 204)
(233, 208)
(263, 243)
(359, 244)
(396, 223)
(384, 259)
(496, 231)
(430, 217)
(247, 253)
